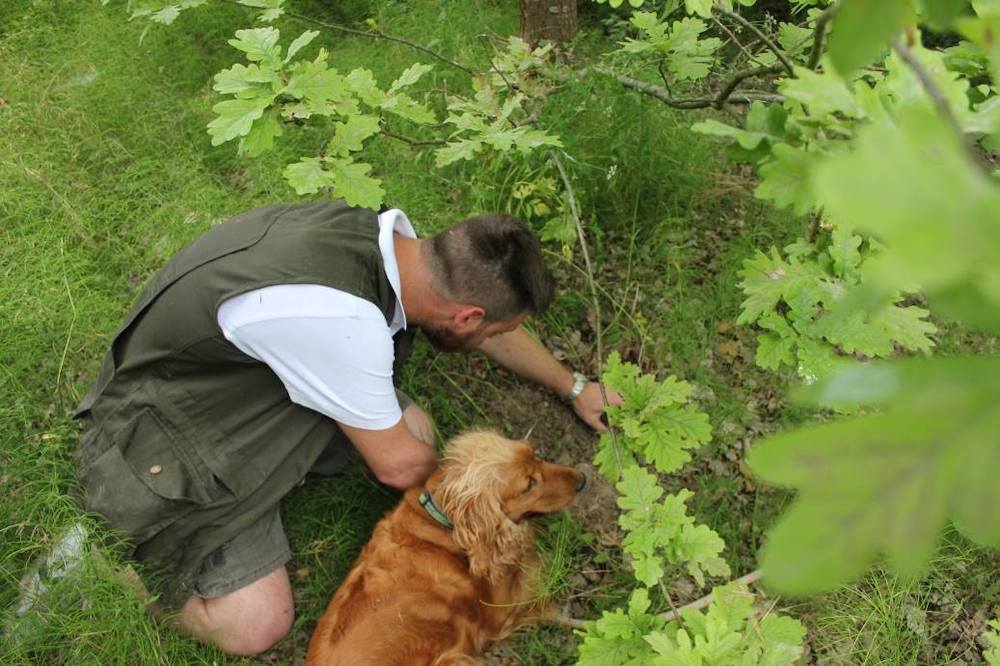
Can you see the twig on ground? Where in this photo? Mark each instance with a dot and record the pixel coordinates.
(572, 623)
(575, 212)
(703, 602)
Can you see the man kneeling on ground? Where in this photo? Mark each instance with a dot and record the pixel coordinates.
(265, 350)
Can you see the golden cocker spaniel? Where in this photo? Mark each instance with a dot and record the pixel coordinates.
(453, 568)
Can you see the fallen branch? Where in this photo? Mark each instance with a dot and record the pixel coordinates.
(703, 602)
(567, 622)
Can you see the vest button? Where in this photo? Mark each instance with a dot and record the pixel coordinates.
(156, 469)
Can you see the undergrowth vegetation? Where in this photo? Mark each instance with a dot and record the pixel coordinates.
(107, 170)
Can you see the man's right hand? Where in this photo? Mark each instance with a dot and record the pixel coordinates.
(395, 455)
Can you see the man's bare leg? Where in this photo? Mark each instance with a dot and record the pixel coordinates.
(253, 618)
(245, 622)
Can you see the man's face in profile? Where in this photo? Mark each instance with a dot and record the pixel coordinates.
(445, 339)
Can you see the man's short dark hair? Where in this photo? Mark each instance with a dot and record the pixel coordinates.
(492, 261)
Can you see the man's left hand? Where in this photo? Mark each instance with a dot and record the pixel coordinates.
(589, 405)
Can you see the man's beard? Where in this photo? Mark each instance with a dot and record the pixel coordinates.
(445, 340)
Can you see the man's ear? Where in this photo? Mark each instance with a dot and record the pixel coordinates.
(468, 318)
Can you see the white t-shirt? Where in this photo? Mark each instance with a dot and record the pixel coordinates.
(332, 350)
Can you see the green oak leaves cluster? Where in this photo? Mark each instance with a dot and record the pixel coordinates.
(275, 87)
(731, 632)
(686, 55)
(279, 87)
(662, 532)
(887, 147)
(489, 119)
(798, 301)
(658, 425)
(890, 157)
(657, 422)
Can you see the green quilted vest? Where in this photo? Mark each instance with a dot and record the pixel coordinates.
(187, 440)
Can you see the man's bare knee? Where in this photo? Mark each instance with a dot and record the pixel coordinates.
(245, 622)
(419, 424)
(250, 640)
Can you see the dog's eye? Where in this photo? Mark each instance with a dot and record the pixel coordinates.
(531, 483)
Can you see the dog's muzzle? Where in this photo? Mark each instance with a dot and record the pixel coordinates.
(582, 483)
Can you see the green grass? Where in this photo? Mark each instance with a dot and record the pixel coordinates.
(107, 170)
(884, 619)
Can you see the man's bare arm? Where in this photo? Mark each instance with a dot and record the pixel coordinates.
(394, 455)
(520, 353)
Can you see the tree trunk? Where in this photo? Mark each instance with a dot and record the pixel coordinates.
(554, 20)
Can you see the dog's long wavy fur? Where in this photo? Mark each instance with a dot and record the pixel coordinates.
(420, 593)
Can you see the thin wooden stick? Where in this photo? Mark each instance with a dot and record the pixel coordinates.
(703, 602)
(819, 33)
(662, 94)
(593, 294)
(764, 38)
(567, 622)
(933, 91)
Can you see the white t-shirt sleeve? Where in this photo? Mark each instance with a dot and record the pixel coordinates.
(332, 350)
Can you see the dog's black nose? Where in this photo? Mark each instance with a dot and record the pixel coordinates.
(582, 483)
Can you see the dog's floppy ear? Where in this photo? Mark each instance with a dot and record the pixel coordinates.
(492, 541)
(470, 494)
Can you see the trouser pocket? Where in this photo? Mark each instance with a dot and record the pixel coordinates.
(147, 479)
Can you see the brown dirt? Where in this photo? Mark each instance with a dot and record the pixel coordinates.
(560, 437)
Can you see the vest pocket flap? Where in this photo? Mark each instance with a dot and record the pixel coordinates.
(160, 461)
(144, 480)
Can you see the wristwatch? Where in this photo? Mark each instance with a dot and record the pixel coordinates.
(578, 384)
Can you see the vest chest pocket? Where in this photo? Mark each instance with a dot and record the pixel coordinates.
(148, 480)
